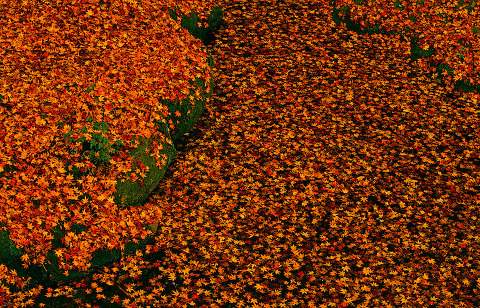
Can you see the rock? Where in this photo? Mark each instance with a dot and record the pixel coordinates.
(94, 145)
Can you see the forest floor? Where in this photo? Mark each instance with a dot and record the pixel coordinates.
(329, 169)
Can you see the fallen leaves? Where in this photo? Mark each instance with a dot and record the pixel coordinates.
(74, 93)
(327, 178)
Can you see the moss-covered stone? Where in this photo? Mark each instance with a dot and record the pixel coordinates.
(338, 12)
(99, 150)
(190, 22)
(186, 112)
(183, 114)
(129, 193)
(49, 274)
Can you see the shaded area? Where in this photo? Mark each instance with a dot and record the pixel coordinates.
(335, 171)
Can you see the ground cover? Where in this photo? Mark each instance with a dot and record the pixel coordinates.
(330, 171)
(444, 37)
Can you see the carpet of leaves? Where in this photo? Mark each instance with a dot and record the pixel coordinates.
(134, 52)
(452, 27)
(49, 45)
(329, 171)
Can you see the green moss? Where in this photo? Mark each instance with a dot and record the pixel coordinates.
(398, 5)
(59, 232)
(190, 22)
(9, 253)
(130, 193)
(416, 52)
(102, 257)
(89, 88)
(186, 112)
(466, 86)
(8, 168)
(49, 272)
(355, 26)
(99, 150)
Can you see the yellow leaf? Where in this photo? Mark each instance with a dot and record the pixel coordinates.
(258, 286)
(349, 95)
(58, 252)
(25, 258)
(186, 271)
(365, 288)
(40, 121)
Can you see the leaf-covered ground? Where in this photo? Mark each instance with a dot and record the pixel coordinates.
(330, 171)
(335, 171)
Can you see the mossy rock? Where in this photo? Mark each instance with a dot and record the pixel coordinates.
(416, 52)
(190, 22)
(99, 150)
(355, 26)
(183, 114)
(49, 274)
(136, 193)
(186, 112)
(130, 193)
